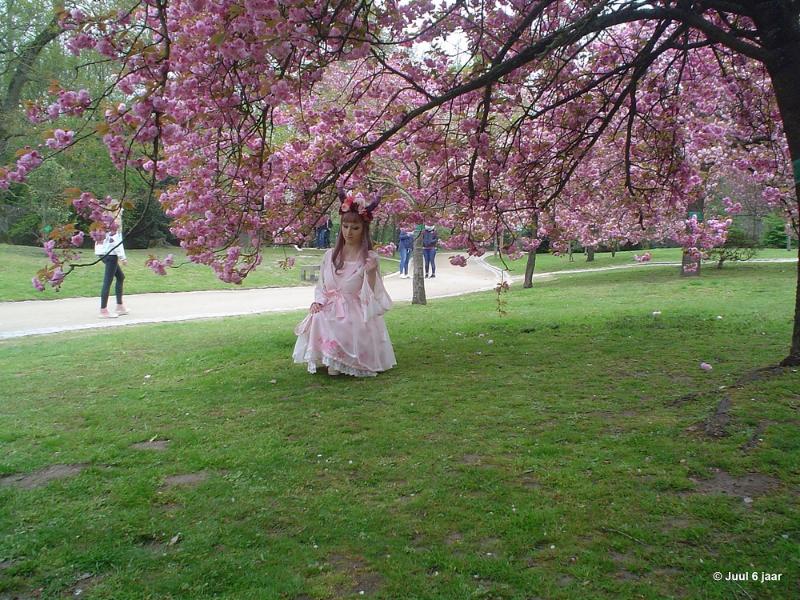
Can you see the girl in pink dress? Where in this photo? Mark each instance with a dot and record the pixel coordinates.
(344, 329)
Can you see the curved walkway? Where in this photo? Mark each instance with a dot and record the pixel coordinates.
(37, 317)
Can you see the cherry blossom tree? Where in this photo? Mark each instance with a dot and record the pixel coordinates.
(624, 106)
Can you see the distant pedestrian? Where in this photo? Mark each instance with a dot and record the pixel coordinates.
(324, 232)
(112, 252)
(406, 246)
(430, 239)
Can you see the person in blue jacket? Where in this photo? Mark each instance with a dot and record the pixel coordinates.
(430, 239)
(406, 246)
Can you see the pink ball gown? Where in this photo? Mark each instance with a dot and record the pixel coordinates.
(349, 333)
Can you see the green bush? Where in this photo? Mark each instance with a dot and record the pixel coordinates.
(738, 246)
(774, 232)
(26, 231)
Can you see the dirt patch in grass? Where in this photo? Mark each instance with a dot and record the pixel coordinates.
(186, 479)
(747, 486)
(7, 564)
(490, 546)
(364, 581)
(565, 581)
(756, 438)
(151, 445)
(82, 585)
(454, 538)
(529, 482)
(716, 424)
(41, 477)
(675, 523)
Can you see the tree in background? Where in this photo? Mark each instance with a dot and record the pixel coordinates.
(678, 89)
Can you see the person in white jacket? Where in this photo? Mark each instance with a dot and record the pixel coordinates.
(113, 253)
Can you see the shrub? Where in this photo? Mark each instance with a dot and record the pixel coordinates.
(737, 246)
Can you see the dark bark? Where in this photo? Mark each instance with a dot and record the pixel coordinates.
(690, 266)
(21, 76)
(418, 284)
(589, 254)
(777, 24)
(529, 267)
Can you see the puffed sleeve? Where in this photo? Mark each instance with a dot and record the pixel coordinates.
(121, 247)
(376, 301)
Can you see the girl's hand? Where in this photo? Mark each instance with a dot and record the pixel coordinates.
(124, 262)
(315, 308)
(371, 264)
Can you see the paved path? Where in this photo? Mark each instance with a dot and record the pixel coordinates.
(36, 317)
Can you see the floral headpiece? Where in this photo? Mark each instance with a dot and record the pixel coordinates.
(357, 203)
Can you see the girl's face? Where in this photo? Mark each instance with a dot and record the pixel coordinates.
(352, 231)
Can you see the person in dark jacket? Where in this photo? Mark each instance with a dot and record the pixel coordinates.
(406, 246)
(323, 238)
(430, 239)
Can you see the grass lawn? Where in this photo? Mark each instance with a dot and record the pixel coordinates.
(19, 263)
(548, 263)
(572, 449)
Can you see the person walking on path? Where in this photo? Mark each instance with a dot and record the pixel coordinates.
(344, 329)
(406, 246)
(324, 232)
(430, 239)
(112, 251)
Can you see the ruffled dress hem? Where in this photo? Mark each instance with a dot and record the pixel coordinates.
(332, 363)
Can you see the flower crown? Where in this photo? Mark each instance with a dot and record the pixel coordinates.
(356, 203)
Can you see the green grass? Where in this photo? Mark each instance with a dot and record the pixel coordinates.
(18, 264)
(559, 461)
(548, 263)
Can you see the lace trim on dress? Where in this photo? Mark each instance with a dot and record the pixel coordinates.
(332, 363)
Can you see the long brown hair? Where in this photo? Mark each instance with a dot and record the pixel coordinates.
(351, 216)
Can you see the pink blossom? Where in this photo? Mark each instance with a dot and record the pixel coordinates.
(386, 250)
(705, 366)
(458, 260)
(77, 239)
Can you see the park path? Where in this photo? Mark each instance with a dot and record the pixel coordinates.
(37, 317)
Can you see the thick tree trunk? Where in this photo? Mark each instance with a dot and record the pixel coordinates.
(690, 266)
(418, 284)
(777, 26)
(22, 73)
(529, 267)
(590, 254)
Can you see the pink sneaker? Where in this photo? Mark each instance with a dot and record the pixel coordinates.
(121, 310)
(104, 314)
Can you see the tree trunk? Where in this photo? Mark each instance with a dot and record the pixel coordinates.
(22, 72)
(590, 254)
(777, 26)
(418, 284)
(690, 266)
(614, 248)
(570, 253)
(529, 267)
